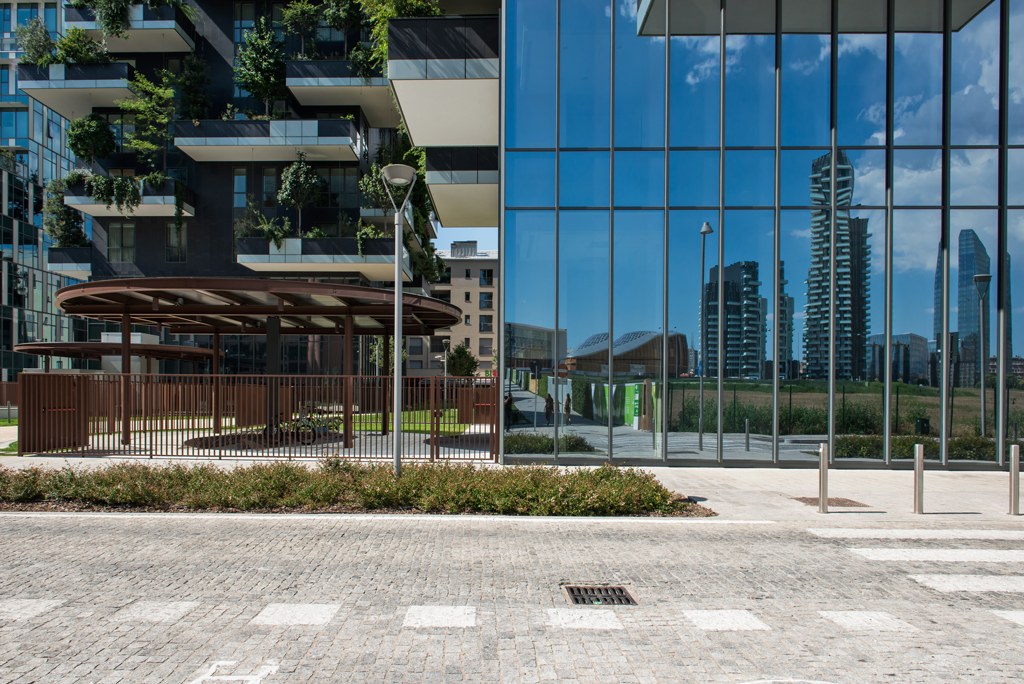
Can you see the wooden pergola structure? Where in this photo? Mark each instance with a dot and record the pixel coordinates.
(248, 306)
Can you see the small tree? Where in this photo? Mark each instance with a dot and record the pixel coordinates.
(461, 361)
(382, 359)
(300, 186)
(194, 88)
(35, 42)
(153, 109)
(78, 47)
(62, 223)
(379, 12)
(300, 18)
(90, 138)
(259, 66)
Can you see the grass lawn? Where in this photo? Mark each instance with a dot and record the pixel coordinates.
(412, 421)
(8, 421)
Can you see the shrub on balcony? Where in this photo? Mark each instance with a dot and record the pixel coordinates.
(114, 16)
(194, 88)
(91, 138)
(301, 18)
(254, 223)
(300, 186)
(77, 47)
(379, 12)
(152, 109)
(259, 65)
(35, 41)
(62, 223)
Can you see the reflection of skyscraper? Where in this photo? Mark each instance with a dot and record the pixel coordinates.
(1009, 310)
(937, 302)
(784, 360)
(973, 260)
(853, 261)
(745, 311)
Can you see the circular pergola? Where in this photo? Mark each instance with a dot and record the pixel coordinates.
(97, 350)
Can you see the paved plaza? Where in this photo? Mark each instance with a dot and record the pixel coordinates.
(872, 594)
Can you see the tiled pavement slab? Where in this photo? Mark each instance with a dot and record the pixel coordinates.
(472, 599)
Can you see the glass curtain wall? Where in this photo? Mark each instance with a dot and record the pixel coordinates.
(771, 225)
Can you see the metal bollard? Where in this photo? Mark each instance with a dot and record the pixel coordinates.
(919, 478)
(1015, 479)
(746, 422)
(823, 479)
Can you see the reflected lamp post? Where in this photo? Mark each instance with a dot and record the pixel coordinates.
(705, 230)
(401, 178)
(445, 342)
(981, 281)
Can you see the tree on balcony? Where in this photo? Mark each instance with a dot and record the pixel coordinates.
(91, 138)
(259, 65)
(62, 223)
(153, 109)
(300, 186)
(78, 47)
(301, 18)
(35, 41)
(194, 88)
(114, 16)
(379, 12)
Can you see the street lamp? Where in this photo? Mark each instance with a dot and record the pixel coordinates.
(981, 281)
(401, 178)
(705, 230)
(445, 342)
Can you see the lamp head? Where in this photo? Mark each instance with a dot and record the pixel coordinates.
(981, 281)
(706, 229)
(398, 175)
(446, 342)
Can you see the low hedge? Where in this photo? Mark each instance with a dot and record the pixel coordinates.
(340, 486)
(963, 448)
(534, 443)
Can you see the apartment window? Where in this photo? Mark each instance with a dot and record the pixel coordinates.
(486, 300)
(465, 342)
(239, 188)
(466, 319)
(415, 346)
(5, 19)
(339, 188)
(50, 18)
(122, 125)
(469, 273)
(5, 79)
(486, 277)
(437, 345)
(268, 187)
(445, 296)
(447, 277)
(121, 242)
(177, 243)
(467, 297)
(486, 347)
(245, 19)
(415, 364)
(27, 11)
(486, 324)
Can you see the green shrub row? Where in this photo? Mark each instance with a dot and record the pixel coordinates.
(339, 485)
(963, 448)
(534, 443)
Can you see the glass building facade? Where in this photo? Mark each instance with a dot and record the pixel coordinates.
(724, 216)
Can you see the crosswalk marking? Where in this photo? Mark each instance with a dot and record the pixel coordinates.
(725, 620)
(950, 583)
(943, 555)
(24, 609)
(868, 533)
(155, 611)
(1011, 615)
(294, 614)
(440, 616)
(583, 618)
(866, 621)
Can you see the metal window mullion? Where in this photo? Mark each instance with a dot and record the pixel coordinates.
(558, 219)
(1002, 226)
(720, 343)
(944, 226)
(611, 231)
(663, 412)
(890, 97)
(834, 153)
(502, 365)
(776, 241)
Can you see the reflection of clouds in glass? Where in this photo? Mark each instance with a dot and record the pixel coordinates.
(915, 242)
(804, 234)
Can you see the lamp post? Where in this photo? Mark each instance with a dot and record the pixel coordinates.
(981, 281)
(705, 230)
(401, 178)
(445, 342)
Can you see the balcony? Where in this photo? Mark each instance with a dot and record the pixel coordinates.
(74, 90)
(444, 71)
(268, 141)
(156, 201)
(463, 183)
(160, 29)
(73, 262)
(324, 255)
(330, 82)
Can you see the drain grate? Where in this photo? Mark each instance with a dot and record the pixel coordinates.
(593, 595)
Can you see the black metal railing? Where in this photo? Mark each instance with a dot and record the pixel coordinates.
(444, 38)
(244, 128)
(77, 72)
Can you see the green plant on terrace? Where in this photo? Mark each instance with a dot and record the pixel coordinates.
(91, 138)
(35, 41)
(259, 65)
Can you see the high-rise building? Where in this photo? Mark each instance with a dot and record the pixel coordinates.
(744, 327)
(973, 260)
(784, 358)
(910, 358)
(852, 265)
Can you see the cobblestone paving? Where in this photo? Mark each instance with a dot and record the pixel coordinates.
(184, 598)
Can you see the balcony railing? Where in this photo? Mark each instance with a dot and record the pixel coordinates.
(150, 29)
(443, 48)
(73, 90)
(214, 139)
(335, 254)
(73, 262)
(454, 165)
(156, 200)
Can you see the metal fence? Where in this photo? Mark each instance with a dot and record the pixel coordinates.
(256, 416)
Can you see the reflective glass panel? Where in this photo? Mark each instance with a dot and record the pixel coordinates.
(1016, 73)
(917, 178)
(750, 90)
(639, 82)
(530, 179)
(639, 179)
(585, 66)
(749, 178)
(694, 91)
(860, 115)
(1015, 335)
(583, 179)
(796, 176)
(530, 77)
(918, 74)
(805, 90)
(693, 179)
(973, 176)
(975, 80)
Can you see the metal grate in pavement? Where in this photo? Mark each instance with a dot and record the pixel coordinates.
(598, 595)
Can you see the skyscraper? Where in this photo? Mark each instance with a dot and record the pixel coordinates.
(784, 358)
(853, 261)
(973, 260)
(745, 311)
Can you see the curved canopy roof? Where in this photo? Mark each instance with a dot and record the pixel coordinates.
(96, 350)
(243, 305)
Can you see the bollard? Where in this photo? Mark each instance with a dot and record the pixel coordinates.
(823, 479)
(746, 422)
(919, 478)
(1015, 479)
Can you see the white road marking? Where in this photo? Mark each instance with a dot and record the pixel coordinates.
(943, 555)
(583, 618)
(155, 611)
(290, 614)
(866, 621)
(440, 616)
(725, 620)
(268, 668)
(949, 583)
(867, 533)
(1011, 615)
(23, 609)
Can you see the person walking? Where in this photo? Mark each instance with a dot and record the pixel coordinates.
(568, 409)
(549, 410)
(508, 411)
